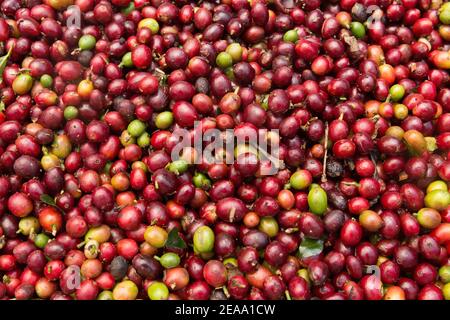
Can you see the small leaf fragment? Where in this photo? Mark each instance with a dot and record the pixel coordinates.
(310, 247)
(3, 61)
(48, 200)
(174, 240)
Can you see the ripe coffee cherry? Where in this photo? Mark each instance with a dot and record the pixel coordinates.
(243, 150)
(351, 233)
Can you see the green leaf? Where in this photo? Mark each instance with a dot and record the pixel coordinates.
(4, 61)
(310, 247)
(126, 10)
(48, 200)
(174, 240)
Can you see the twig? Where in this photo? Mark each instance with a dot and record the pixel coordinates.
(325, 146)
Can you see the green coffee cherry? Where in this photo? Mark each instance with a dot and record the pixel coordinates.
(230, 262)
(224, 60)
(46, 81)
(136, 128)
(230, 73)
(204, 239)
(437, 199)
(149, 23)
(178, 166)
(301, 179)
(164, 120)
(70, 112)
(358, 29)
(105, 295)
(143, 140)
(428, 218)
(22, 83)
(126, 60)
(126, 138)
(29, 225)
(437, 185)
(235, 51)
(200, 180)
(87, 42)
(169, 260)
(41, 240)
(100, 233)
(317, 200)
(269, 226)
(156, 236)
(397, 91)
(446, 291)
(444, 274)
(291, 36)
(158, 291)
(444, 16)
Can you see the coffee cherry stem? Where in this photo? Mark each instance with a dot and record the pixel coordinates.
(288, 296)
(325, 155)
(225, 291)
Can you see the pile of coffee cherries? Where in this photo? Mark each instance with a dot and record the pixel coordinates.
(354, 93)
